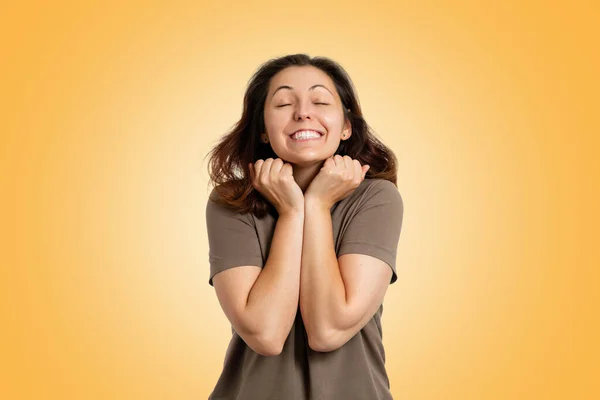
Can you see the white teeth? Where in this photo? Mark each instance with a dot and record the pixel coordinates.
(305, 135)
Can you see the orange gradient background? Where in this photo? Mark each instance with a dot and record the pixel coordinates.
(108, 109)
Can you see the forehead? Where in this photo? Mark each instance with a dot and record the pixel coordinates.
(301, 78)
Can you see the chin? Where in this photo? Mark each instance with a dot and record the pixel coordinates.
(303, 163)
(306, 158)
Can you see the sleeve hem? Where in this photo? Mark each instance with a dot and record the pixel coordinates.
(217, 266)
(370, 250)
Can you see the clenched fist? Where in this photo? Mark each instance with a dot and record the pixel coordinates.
(274, 179)
(337, 179)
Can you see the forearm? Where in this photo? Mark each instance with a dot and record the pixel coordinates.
(322, 291)
(273, 300)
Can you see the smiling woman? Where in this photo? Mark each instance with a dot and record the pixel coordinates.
(304, 121)
(303, 226)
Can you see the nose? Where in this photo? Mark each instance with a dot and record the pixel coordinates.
(301, 112)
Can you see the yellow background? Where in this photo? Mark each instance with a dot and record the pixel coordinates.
(107, 113)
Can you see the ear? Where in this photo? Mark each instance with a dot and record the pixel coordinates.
(347, 131)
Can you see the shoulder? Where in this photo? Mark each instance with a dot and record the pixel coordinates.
(217, 208)
(379, 184)
(214, 202)
(371, 193)
(214, 196)
(377, 189)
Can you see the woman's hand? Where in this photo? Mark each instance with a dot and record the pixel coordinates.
(336, 180)
(274, 179)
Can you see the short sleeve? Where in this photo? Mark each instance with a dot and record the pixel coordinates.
(374, 229)
(232, 239)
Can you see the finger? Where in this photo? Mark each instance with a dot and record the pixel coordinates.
(257, 168)
(349, 167)
(253, 168)
(266, 170)
(287, 169)
(365, 168)
(357, 170)
(338, 160)
(276, 168)
(329, 163)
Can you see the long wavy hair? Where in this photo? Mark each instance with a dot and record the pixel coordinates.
(229, 159)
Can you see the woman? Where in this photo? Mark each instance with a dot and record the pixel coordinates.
(303, 227)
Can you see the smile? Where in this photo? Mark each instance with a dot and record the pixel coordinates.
(305, 135)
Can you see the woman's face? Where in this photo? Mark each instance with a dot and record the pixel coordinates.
(304, 98)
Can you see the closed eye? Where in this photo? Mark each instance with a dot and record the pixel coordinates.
(284, 105)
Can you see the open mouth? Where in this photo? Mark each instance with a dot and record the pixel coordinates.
(306, 135)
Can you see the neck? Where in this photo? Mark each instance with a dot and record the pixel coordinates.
(303, 175)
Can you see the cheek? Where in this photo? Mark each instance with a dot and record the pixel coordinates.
(332, 119)
(272, 120)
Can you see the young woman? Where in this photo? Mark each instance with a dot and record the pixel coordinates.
(303, 227)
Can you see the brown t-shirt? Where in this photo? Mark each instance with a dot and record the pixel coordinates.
(366, 222)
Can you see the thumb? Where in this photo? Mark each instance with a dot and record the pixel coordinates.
(365, 168)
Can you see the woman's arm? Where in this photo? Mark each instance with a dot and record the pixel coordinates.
(336, 299)
(262, 305)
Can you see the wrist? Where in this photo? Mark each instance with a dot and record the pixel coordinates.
(291, 212)
(312, 203)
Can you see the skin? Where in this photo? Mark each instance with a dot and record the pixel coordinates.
(287, 110)
(337, 297)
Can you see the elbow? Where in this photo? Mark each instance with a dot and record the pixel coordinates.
(267, 345)
(324, 342)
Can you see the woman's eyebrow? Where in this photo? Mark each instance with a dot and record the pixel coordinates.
(291, 88)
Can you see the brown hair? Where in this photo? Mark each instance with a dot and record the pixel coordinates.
(228, 164)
